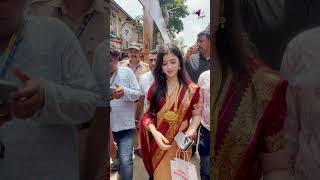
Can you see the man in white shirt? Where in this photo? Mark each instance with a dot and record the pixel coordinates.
(145, 82)
(300, 66)
(96, 148)
(87, 19)
(56, 95)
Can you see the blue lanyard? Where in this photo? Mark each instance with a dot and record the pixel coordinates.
(84, 23)
(9, 60)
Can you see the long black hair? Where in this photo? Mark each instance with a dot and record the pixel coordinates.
(160, 87)
(232, 49)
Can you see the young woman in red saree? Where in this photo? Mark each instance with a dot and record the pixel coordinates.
(172, 102)
(248, 107)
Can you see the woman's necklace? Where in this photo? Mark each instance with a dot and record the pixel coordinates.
(172, 116)
(172, 92)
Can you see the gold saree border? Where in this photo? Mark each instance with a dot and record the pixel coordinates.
(182, 111)
(244, 125)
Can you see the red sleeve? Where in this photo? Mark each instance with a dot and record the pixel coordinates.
(148, 117)
(194, 100)
(150, 91)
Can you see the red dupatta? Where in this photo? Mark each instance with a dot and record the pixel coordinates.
(250, 122)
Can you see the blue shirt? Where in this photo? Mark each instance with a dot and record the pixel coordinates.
(122, 110)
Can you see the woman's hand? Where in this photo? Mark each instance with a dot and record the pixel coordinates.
(158, 136)
(161, 140)
(190, 132)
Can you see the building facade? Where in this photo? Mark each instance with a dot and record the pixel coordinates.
(123, 29)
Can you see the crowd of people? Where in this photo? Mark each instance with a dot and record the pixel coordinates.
(54, 125)
(258, 122)
(147, 94)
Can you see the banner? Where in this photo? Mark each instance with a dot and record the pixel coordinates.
(152, 12)
(147, 29)
(155, 12)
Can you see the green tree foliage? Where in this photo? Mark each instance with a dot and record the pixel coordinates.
(174, 11)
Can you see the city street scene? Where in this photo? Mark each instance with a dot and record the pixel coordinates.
(152, 41)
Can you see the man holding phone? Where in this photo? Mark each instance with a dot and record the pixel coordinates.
(126, 91)
(135, 63)
(56, 94)
(87, 19)
(199, 62)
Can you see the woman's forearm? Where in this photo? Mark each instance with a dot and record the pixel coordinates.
(195, 123)
(152, 128)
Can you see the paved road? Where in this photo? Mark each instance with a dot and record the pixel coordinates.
(139, 172)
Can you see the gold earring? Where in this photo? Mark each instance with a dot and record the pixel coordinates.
(222, 21)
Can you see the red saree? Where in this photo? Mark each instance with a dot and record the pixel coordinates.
(156, 160)
(250, 122)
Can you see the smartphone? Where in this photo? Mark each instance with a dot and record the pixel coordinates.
(6, 88)
(111, 91)
(184, 143)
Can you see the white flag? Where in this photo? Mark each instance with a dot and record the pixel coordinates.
(148, 28)
(153, 7)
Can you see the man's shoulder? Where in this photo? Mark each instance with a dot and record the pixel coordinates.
(194, 57)
(145, 67)
(44, 20)
(125, 71)
(144, 64)
(50, 25)
(123, 63)
(146, 76)
(302, 52)
(43, 7)
(309, 39)
(205, 74)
